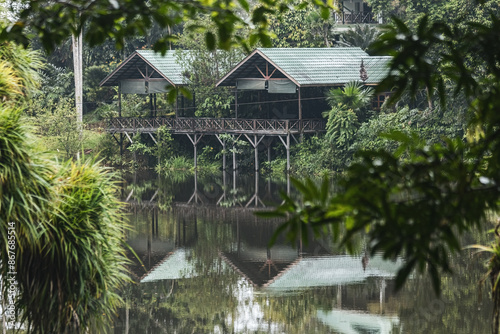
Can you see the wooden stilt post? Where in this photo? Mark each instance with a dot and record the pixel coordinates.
(234, 182)
(195, 153)
(287, 183)
(269, 152)
(287, 146)
(236, 103)
(176, 103)
(288, 153)
(256, 188)
(155, 105)
(256, 153)
(224, 155)
(121, 144)
(120, 100)
(300, 117)
(255, 143)
(151, 110)
(234, 155)
(223, 143)
(300, 105)
(195, 141)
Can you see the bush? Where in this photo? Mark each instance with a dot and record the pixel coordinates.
(70, 258)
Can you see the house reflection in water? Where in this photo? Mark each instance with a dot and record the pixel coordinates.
(228, 247)
(281, 271)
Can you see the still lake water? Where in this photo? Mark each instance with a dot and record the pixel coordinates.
(207, 269)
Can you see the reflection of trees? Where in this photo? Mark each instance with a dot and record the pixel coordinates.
(194, 305)
(213, 298)
(461, 298)
(224, 190)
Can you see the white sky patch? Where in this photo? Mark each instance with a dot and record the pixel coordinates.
(249, 317)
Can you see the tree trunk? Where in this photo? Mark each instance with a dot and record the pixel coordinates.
(78, 71)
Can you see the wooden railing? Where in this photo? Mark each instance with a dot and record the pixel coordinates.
(361, 17)
(215, 125)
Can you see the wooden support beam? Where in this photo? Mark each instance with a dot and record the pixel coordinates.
(287, 146)
(260, 71)
(152, 137)
(117, 141)
(223, 143)
(300, 106)
(236, 103)
(255, 143)
(129, 195)
(288, 154)
(256, 152)
(195, 140)
(176, 103)
(121, 144)
(234, 151)
(155, 105)
(120, 100)
(130, 139)
(151, 110)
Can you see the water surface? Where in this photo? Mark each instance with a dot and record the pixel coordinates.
(207, 268)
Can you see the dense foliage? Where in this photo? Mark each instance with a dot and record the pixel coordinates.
(61, 247)
(416, 200)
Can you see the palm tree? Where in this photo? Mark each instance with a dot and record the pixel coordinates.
(348, 107)
(352, 96)
(362, 36)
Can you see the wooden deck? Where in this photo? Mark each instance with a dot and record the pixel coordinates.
(268, 127)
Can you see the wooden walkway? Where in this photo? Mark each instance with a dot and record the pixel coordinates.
(215, 125)
(254, 130)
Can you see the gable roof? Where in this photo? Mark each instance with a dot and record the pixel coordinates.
(309, 66)
(176, 265)
(332, 270)
(158, 67)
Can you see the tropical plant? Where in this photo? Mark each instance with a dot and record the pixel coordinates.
(301, 27)
(54, 22)
(361, 36)
(353, 95)
(71, 280)
(341, 127)
(203, 69)
(417, 207)
(493, 273)
(57, 123)
(67, 249)
(348, 108)
(26, 182)
(19, 75)
(24, 64)
(10, 84)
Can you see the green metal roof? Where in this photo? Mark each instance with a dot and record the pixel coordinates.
(142, 61)
(175, 266)
(309, 66)
(331, 271)
(355, 322)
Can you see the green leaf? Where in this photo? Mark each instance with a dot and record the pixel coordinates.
(210, 40)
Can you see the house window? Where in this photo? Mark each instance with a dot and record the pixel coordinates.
(357, 7)
(379, 100)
